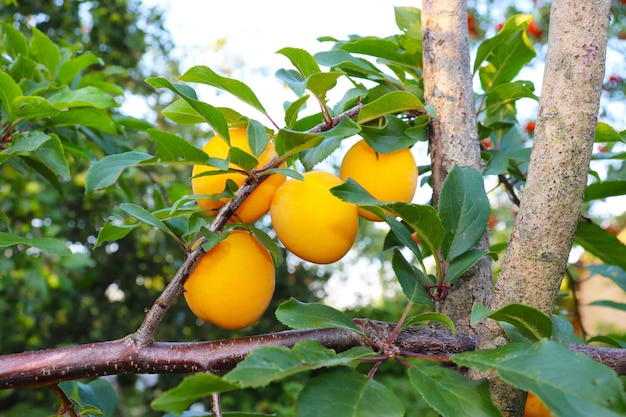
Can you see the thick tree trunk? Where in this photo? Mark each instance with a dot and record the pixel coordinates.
(552, 197)
(453, 133)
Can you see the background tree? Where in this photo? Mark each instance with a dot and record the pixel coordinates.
(39, 138)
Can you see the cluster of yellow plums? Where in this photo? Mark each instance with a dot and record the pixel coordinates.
(234, 281)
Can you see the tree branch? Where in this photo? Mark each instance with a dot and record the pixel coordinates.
(126, 356)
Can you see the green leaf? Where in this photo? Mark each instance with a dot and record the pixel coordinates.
(172, 148)
(52, 155)
(606, 133)
(44, 50)
(32, 108)
(302, 60)
(291, 114)
(390, 137)
(343, 392)
(294, 80)
(24, 144)
(609, 304)
(146, 217)
(613, 272)
(528, 320)
(464, 210)
(401, 234)
(83, 97)
(72, 67)
(190, 390)
(570, 383)
(268, 243)
(211, 115)
(14, 41)
(86, 116)
(605, 189)
(111, 232)
(321, 82)
(9, 90)
(242, 159)
(205, 75)
(461, 264)
(390, 103)
(423, 220)
(601, 243)
(272, 363)
(431, 316)
(411, 279)
(449, 392)
(344, 129)
(299, 315)
(507, 52)
(290, 142)
(44, 244)
(352, 192)
(182, 112)
(257, 137)
(100, 394)
(497, 162)
(43, 170)
(106, 171)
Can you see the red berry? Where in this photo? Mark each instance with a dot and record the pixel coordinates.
(487, 143)
(534, 30)
(530, 127)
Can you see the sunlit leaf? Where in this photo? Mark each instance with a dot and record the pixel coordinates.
(463, 263)
(448, 392)
(553, 373)
(44, 244)
(299, 315)
(601, 243)
(528, 320)
(344, 392)
(390, 103)
(411, 279)
(432, 316)
(172, 148)
(272, 363)
(106, 171)
(190, 390)
(302, 60)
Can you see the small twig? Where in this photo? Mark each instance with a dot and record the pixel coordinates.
(67, 405)
(509, 189)
(216, 406)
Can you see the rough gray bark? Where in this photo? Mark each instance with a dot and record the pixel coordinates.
(552, 197)
(453, 133)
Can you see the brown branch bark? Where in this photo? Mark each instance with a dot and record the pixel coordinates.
(453, 133)
(552, 197)
(126, 356)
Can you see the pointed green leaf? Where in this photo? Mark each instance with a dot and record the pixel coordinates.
(242, 159)
(352, 192)
(432, 316)
(14, 41)
(32, 108)
(190, 390)
(390, 137)
(463, 263)
(293, 79)
(606, 133)
(257, 137)
(268, 243)
(272, 363)
(9, 90)
(302, 60)
(24, 144)
(145, 216)
(111, 232)
(605, 189)
(464, 210)
(401, 234)
(181, 112)
(601, 243)
(321, 82)
(86, 116)
(299, 315)
(291, 114)
(52, 155)
(83, 97)
(44, 244)
(570, 383)
(411, 279)
(423, 220)
(529, 320)
(72, 67)
(172, 148)
(343, 392)
(205, 75)
(44, 50)
(106, 171)
(290, 142)
(211, 115)
(390, 103)
(449, 392)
